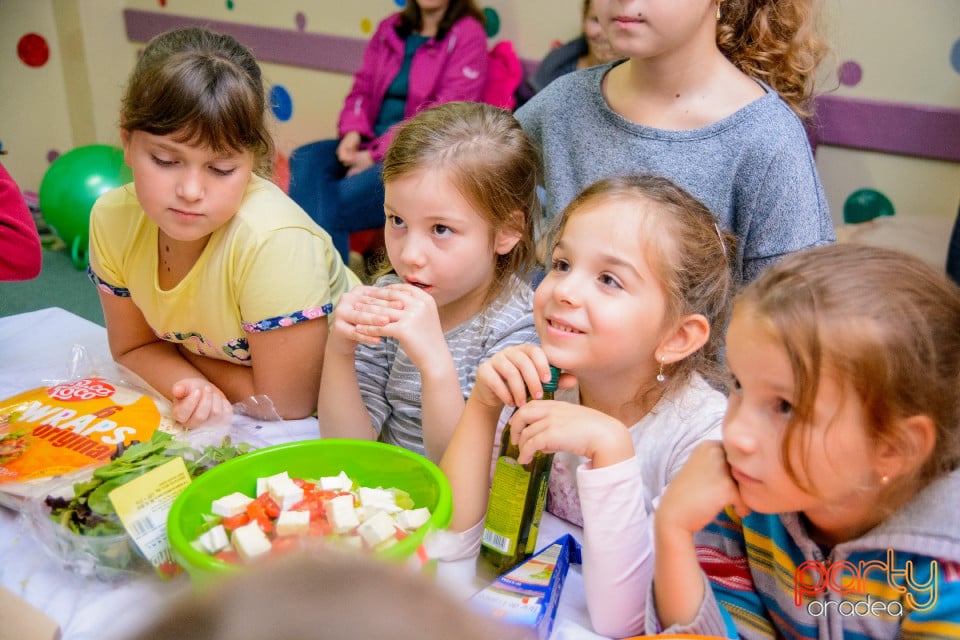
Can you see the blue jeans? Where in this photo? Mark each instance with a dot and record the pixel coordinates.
(953, 251)
(338, 203)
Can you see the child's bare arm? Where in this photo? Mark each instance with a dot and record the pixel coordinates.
(501, 380)
(341, 410)
(287, 363)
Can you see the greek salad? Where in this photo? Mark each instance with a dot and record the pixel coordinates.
(286, 511)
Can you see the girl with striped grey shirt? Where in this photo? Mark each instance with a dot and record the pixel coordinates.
(461, 207)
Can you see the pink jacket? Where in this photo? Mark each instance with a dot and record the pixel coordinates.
(454, 68)
(20, 255)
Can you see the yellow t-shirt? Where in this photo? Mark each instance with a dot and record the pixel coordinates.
(270, 266)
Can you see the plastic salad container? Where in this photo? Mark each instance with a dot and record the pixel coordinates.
(370, 464)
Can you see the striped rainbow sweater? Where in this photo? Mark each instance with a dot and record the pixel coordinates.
(899, 580)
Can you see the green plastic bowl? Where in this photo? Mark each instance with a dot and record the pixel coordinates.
(372, 464)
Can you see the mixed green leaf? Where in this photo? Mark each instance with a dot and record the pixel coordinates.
(90, 511)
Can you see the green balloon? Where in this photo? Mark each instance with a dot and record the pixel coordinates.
(866, 204)
(71, 185)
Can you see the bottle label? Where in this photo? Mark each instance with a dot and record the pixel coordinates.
(538, 510)
(505, 511)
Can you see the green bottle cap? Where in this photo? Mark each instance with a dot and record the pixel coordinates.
(554, 379)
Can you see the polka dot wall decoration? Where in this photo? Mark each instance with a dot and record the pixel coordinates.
(301, 21)
(162, 3)
(493, 21)
(230, 5)
(281, 103)
(850, 74)
(33, 50)
(400, 3)
(955, 56)
(366, 25)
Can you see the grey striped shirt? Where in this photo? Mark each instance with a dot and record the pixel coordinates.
(390, 383)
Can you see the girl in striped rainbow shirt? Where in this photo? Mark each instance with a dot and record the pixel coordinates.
(838, 465)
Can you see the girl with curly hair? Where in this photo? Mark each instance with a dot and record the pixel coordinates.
(710, 95)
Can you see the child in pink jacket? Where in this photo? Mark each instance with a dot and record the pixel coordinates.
(419, 57)
(20, 255)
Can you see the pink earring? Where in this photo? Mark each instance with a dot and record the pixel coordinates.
(660, 377)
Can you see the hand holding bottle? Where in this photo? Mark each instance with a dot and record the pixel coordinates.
(552, 426)
(508, 376)
(517, 497)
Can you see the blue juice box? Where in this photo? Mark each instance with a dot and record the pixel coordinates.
(529, 594)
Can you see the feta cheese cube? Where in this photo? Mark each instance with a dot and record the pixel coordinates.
(336, 483)
(250, 541)
(231, 505)
(340, 513)
(381, 499)
(284, 492)
(377, 529)
(263, 483)
(413, 518)
(365, 513)
(214, 540)
(293, 523)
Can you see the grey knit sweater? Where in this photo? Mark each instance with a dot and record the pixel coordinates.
(754, 169)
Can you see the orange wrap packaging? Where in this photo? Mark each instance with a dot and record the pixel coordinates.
(54, 431)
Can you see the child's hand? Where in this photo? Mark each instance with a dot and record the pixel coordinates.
(358, 309)
(701, 489)
(508, 375)
(551, 426)
(198, 403)
(347, 149)
(412, 319)
(362, 160)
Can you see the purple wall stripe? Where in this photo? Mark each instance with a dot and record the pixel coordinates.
(908, 129)
(284, 46)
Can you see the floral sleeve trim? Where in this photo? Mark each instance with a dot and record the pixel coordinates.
(287, 320)
(107, 287)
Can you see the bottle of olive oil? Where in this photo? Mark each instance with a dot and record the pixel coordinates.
(516, 501)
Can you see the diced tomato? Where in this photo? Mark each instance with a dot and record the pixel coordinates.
(282, 544)
(320, 527)
(313, 507)
(270, 507)
(169, 569)
(256, 512)
(233, 522)
(303, 484)
(228, 556)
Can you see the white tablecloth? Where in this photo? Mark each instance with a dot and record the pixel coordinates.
(36, 348)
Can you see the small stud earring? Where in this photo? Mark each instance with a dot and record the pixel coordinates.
(884, 481)
(660, 377)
